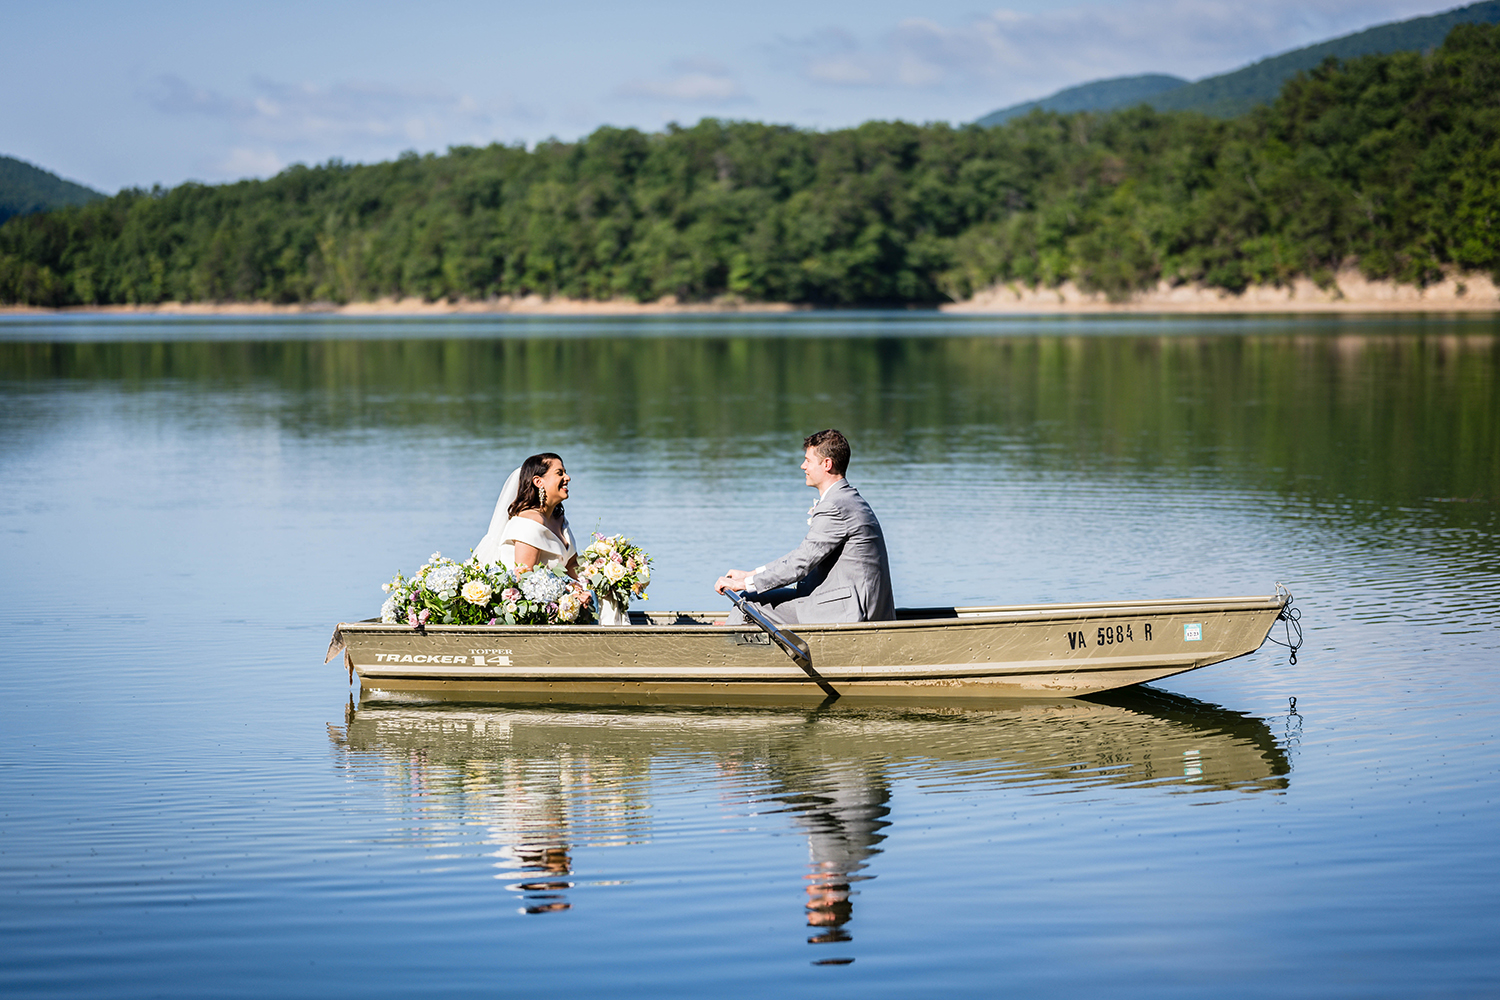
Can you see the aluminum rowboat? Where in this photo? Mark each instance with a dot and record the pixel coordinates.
(1035, 650)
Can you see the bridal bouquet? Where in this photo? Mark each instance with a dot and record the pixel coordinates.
(615, 568)
(444, 592)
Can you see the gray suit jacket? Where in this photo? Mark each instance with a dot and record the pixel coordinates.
(840, 571)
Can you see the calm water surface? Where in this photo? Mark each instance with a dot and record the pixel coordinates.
(192, 804)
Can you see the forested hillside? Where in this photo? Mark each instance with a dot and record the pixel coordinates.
(1392, 162)
(25, 188)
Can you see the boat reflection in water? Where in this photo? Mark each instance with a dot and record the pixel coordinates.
(545, 780)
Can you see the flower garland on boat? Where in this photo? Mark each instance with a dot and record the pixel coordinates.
(615, 568)
(444, 592)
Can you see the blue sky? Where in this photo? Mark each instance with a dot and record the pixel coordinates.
(133, 94)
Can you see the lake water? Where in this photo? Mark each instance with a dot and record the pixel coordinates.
(192, 804)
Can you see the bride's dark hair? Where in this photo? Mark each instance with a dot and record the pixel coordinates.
(527, 497)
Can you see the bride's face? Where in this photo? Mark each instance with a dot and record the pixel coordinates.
(555, 482)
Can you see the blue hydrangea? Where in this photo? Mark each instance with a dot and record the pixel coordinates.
(445, 581)
(542, 587)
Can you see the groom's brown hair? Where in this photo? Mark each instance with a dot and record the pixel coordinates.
(830, 444)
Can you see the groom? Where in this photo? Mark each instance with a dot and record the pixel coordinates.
(840, 572)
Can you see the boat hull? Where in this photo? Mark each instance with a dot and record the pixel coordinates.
(988, 652)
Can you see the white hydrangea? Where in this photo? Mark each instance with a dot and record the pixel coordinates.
(542, 587)
(478, 592)
(388, 612)
(445, 581)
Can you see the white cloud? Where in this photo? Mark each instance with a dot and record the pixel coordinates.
(277, 122)
(242, 162)
(831, 56)
(692, 81)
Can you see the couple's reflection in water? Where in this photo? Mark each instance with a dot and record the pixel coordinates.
(844, 821)
(544, 782)
(544, 868)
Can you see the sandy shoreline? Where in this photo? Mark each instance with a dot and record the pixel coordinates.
(531, 305)
(1352, 293)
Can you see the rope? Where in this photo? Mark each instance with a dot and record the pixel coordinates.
(1291, 621)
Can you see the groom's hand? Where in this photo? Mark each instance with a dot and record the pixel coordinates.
(732, 580)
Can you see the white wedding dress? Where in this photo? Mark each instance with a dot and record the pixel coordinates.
(552, 552)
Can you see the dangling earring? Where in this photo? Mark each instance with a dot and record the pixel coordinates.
(541, 491)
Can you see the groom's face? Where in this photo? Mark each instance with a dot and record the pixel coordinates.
(818, 469)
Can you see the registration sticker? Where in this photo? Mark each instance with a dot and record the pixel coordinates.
(1192, 633)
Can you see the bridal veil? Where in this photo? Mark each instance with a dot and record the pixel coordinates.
(488, 549)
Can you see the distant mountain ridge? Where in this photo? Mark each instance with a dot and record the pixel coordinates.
(25, 188)
(1231, 94)
(1101, 95)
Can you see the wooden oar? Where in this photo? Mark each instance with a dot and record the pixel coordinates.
(791, 644)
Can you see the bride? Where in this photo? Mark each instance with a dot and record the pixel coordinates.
(528, 528)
